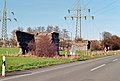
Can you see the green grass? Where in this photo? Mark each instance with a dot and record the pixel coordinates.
(68, 53)
(23, 63)
(9, 51)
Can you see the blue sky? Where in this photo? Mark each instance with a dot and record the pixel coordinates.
(33, 13)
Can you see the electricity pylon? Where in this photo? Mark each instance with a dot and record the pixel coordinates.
(77, 10)
(4, 25)
(4, 19)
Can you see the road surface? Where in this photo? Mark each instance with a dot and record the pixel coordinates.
(101, 69)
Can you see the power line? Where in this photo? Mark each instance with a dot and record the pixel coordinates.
(78, 15)
(105, 7)
(88, 3)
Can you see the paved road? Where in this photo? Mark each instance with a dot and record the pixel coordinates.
(102, 69)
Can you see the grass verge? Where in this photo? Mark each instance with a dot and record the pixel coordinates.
(9, 51)
(24, 63)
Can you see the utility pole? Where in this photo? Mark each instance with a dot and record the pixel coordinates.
(4, 35)
(77, 10)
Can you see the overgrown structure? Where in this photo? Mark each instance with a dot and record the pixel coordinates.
(24, 38)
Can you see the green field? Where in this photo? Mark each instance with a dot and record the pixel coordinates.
(17, 63)
(9, 51)
(23, 63)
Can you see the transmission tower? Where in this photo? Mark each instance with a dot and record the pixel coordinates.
(4, 25)
(4, 19)
(77, 14)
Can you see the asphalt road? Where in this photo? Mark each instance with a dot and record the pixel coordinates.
(101, 69)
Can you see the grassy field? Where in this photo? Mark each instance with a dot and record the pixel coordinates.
(17, 63)
(23, 63)
(9, 51)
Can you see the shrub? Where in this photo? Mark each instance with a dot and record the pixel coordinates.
(43, 47)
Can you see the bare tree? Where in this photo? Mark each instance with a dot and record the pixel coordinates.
(49, 29)
(43, 29)
(12, 41)
(20, 29)
(65, 34)
(106, 42)
(39, 29)
(106, 35)
(29, 29)
(57, 29)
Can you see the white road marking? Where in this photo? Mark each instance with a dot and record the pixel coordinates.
(18, 76)
(115, 60)
(52, 69)
(97, 67)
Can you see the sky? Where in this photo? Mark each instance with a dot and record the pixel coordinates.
(34, 13)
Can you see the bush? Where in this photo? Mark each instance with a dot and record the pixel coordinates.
(43, 47)
(95, 45)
